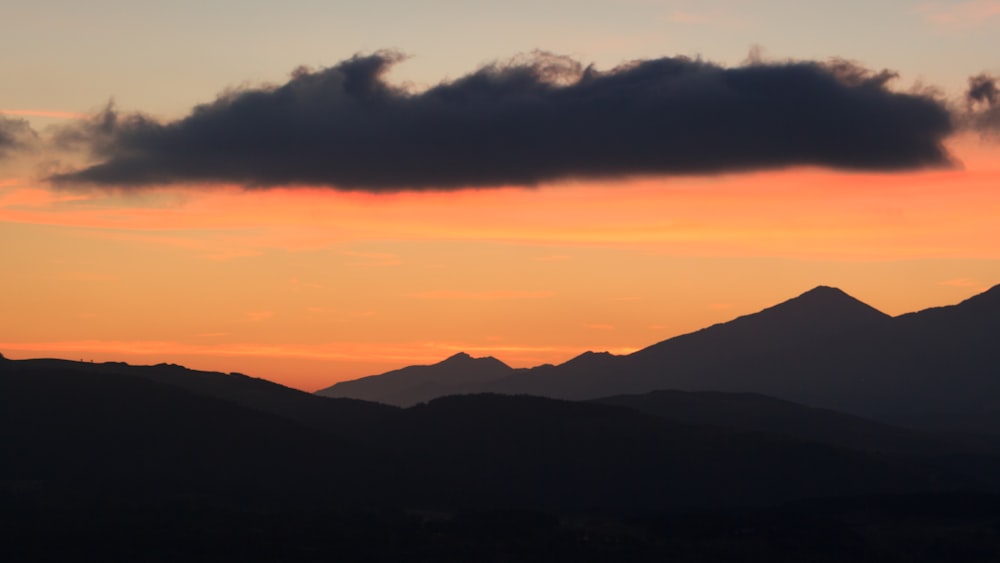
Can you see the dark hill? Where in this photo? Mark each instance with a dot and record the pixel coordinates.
(99, 465)
(951, 354)
(91, 431)
(749, 412)
(458, 374)
(523, 451)
(338, 416)
(73, 430)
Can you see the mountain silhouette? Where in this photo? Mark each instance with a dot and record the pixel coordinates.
(119, 464)
(945, 360)
(338, 416)
(715, 358)
(750, 412)
(98, 430)
(76, 431)
(115, 462)
(503, 451)
(457, 374)
(823, 348)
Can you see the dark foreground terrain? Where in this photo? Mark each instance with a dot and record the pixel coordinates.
(110, 462)
(69, 526)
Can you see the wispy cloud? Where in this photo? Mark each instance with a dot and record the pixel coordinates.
(483, 295)
(389, 355)
(173, 349)
(957, 16)
(15, 134)
(258, 316)
(681, 16)
(797, 213)
(46, 113)
(554, 258)
(89, 277)
(375, 258)
(16, 196)
(716, 17)
(961, 282)
(982, 112)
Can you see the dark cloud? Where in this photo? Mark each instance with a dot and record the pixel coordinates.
(983, 89)
(983, 98)
(14, 134)
(536, 118)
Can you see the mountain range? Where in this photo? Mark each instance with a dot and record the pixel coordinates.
(162, 462)
(75, 426)
(823, 348)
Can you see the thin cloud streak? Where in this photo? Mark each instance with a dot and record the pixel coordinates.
(58, 114)
(717, 18)
(961, 15)
(378, 356)
(483, 295)
(535, 119)
(797, 213)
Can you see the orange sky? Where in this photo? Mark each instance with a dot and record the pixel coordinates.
(310, 286)
(307, 287)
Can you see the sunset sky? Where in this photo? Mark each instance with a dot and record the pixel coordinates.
(374, 184)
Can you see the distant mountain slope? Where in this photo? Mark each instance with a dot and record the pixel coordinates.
(98, 433)
(749, 412)
(101, 431)
(523, 451)
(823, 348)
(748, 354)
(815, 319)
(947, 358)
(460, 373)
(339, 416)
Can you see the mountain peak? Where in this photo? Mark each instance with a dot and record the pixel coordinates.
(591, 356)
(825, 290)
(459, 373)
(463, 359)
(826, 296)
(828, 306)
(459, 357)
(827, 300)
